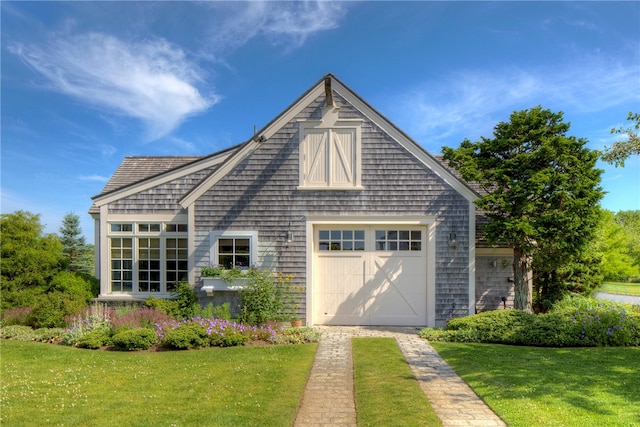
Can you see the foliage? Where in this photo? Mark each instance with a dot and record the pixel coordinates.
(222, 311)
(236, 386)
(51, 309)
(265, 298)
(134, 339)
(26, 333)
(201, 332)
(570, 387)
(97, 317)
(78, 255)
(630, 223)
(29, 258)
(140, 318)
(94, 340)
(574, 321)
(614, 243)
(17, 332)
(385, 389)
(226, 274)
(621, 150)
(183, 305)
(186, 336)
(300, 335)
(16, 316)
(542, 192)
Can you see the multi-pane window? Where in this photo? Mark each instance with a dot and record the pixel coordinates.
(176, 262)
(398, 240)
(121, 264)
(147, 257)
(341, 240)
(149, 265)
(234, 252)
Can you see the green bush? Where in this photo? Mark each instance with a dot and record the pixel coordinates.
(261, 299)
(16, 316)
(573, 321)
(48, 335)
(299, 335)
(229, 338)
(221, 312)
(51, 309)
(134, 339)
(187, 336)
(17, 332)
(94, 339)
(183, 305)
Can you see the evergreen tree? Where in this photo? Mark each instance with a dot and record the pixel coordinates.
(542, 194)
(78, 254)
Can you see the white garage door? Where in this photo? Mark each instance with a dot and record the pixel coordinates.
(370, 275)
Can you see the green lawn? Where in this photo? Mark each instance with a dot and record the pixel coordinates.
(386, 392)
(529, 386)
(622, 288)
(44, 384)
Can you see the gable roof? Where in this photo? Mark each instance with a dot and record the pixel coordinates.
(143, 172)
(137, 173)
(327, 85)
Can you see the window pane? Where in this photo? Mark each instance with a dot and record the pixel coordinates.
(242, 246)
(225, 246)
(404, 246)
(335, 234)
(347, 246)
(242, 261)
(359, 246)
(324, 234)
(404, 234)
(226, 261)
(154, 227)
(359, 235)
(324, 246)
(347, 234)
(143, 227)
(416, 235)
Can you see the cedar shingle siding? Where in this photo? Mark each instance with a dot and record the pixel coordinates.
(260, 193)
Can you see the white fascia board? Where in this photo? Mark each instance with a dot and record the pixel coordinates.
(405, 141)
(161, 179)
(371, 220)
(249, 146)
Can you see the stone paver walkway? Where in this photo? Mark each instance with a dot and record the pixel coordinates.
(328, 399)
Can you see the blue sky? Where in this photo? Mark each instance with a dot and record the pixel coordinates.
(85, 84)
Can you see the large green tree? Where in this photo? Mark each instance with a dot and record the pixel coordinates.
(615, 245)
(542, 192)
(621, 150)
(29, 259)
(76, 251)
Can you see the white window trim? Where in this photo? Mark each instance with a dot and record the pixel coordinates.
(106, 290)
(233, 234)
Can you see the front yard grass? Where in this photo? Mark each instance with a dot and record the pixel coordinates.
(620, 288)
(44, 384)
(386, 391)
(531, 386)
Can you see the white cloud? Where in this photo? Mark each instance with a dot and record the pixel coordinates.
(94, 178)
(282, 23)
(471, 102)
(151, 80)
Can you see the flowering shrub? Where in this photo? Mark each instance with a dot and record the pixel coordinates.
(142, 318)
(95, 318)
(574, 321)
(201, 332)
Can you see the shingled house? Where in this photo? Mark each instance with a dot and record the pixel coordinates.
(376, 230)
